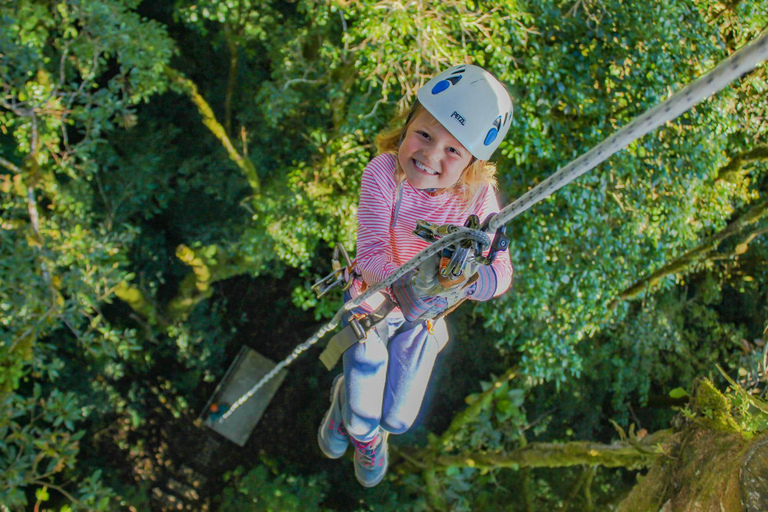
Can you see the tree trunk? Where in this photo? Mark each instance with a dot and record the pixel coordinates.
(709, 470)
(232, 45)
(730, 171)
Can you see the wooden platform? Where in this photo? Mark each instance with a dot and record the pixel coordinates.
(245, 371)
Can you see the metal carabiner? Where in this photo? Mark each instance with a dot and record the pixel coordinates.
(454, 267)
(455, 258)
(338, 277)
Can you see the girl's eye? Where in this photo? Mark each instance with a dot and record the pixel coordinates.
(455, 151)
(423, 134)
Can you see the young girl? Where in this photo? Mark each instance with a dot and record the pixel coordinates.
(435, 168)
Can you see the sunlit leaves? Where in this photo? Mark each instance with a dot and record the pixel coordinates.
(70, 73)
(38, 441)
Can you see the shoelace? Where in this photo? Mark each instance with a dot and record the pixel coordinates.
(340, 429)
(367, 451)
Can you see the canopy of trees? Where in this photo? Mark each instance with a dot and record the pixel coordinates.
(175, 175)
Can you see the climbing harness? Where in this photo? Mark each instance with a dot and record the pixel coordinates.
(727, 71)
(356, 331)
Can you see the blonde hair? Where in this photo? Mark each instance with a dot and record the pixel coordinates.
(477, 174)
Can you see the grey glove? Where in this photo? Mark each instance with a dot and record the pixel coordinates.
(424, 281)
(427, 280)
(422, 294)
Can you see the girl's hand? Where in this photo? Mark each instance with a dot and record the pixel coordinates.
(426, 281)
(421, 296)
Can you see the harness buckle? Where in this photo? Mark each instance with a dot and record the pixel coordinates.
(357, 327)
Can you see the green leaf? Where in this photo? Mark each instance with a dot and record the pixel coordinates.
(678, 393)
(42, 494)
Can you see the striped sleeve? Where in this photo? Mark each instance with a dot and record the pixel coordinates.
(496, 279)
(375, 260)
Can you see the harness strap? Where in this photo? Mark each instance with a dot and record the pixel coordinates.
(356, 331)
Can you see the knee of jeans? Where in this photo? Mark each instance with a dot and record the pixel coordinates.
(395, 425)
(360, 427)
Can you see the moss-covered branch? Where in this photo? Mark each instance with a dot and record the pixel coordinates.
(707, 246)
(209, 120)
(621, 454)
(734, 167)
(209, 264)
(701, 474)
(137, 301)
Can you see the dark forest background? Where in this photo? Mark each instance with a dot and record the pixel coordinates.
(175, 175)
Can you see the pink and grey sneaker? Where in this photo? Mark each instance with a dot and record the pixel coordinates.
(371, 459)
(332, 436)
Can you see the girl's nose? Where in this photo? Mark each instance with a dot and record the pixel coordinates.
(430, 152)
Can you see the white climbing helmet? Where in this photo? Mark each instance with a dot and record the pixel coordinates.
(472, 105)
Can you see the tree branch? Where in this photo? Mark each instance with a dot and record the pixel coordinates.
(573, 492)
(9, 165)
(209, 120)
(138, 302)
(709, 244)
(209, 265)
(233, 57)
(60, 489)
(621, 454)
(730, 170)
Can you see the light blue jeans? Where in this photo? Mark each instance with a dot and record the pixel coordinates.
(386, 379)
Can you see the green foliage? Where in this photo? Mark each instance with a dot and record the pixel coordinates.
(70, 73)
(500, 425)
(111, 185)
(61, 92)
(640, 209)
(265, 489)
(39, 444)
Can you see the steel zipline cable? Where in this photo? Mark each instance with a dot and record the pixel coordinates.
(741, 62)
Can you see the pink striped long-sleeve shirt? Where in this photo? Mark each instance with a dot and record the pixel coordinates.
(385, 238)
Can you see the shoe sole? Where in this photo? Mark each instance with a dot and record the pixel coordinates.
(334, 388)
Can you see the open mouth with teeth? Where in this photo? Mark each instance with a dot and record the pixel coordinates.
(424, 168)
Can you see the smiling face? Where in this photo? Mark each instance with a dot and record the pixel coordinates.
(429, 155)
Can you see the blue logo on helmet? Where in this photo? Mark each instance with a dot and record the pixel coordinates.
(444, 84)
(493, 132)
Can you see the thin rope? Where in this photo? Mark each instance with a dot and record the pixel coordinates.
(741, 62)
